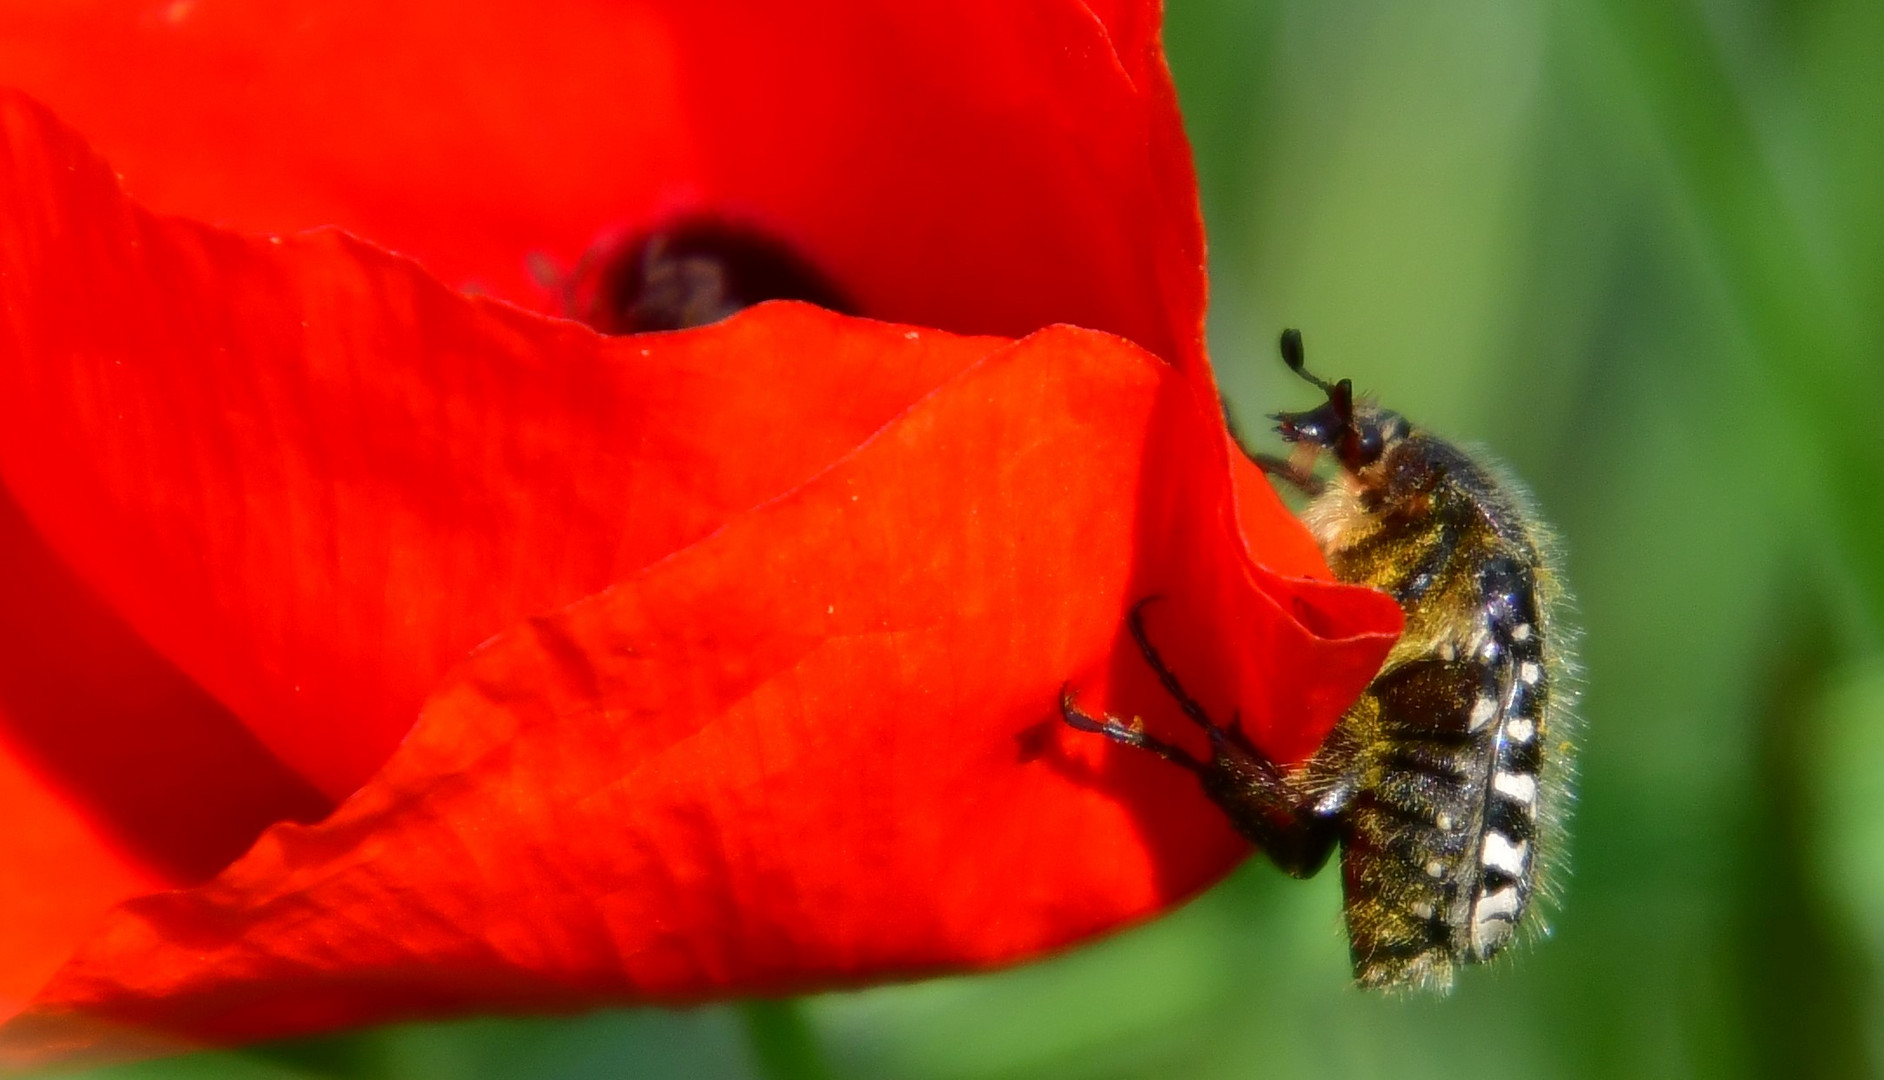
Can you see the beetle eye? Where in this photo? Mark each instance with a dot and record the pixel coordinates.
(1370, 444)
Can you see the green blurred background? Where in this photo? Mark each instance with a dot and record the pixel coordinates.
(1637, 246)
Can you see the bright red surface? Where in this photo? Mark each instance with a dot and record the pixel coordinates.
(819, 746)
(264, 495)
(981, 166)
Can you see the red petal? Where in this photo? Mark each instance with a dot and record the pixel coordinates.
(820, 746)
(117, 774)
(975, 165)
(304, 478)
(298, 482)
(314, 479)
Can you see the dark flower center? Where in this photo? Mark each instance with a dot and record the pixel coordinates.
(694, 272)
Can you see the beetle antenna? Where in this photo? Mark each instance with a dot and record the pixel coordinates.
(1297, 358)
(1340, 394)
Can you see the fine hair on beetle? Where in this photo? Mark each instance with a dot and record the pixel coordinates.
(1446, 785)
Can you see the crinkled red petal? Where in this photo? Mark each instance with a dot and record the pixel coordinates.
(822, 745)
(818, 745)
(982, 166)
(313, 478)
(259, 498)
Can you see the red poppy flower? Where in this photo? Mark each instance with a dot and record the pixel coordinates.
(775, 614)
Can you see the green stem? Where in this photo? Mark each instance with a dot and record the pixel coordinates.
(782, 1041)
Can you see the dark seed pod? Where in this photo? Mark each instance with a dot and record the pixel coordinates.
(692, 273)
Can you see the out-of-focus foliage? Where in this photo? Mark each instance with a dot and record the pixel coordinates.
(1637, 246)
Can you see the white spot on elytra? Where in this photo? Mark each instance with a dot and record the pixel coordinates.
(1520, 730)
(1493, 918)
(1516, 785)
(1530, 673)
(1436, 869)
(1448, 651)
(1444, 821)
(1504, 903)
(1522, 632)
(1482, 711)
(1501, 854)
